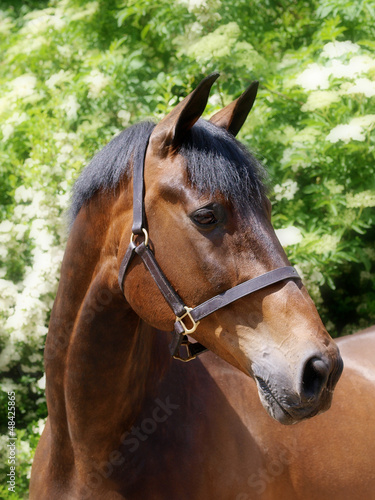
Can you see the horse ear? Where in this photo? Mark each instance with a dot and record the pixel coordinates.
(233, 116)
(171, 130)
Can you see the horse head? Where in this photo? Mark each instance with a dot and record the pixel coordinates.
(209, 227)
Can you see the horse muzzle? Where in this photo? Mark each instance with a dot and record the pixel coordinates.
(289, 402)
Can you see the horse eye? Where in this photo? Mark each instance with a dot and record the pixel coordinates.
(204, 217)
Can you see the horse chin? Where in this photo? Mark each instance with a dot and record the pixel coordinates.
(279, 414)
(290, 414)
(273, 407)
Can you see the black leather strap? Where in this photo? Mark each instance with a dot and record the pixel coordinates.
(139, 216)
(239, 291)
(171, 296)
(125, 264)
(192, 349)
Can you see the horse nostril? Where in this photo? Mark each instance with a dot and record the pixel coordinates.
(314, 377)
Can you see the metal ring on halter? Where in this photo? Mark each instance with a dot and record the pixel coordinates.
(189, 355)
(180, 318)
(132, 237)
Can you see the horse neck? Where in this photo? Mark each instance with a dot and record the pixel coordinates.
(101, 359)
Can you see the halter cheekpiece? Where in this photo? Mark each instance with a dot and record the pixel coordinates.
(187, 318)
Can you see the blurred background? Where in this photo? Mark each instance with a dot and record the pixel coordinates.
(74, 73)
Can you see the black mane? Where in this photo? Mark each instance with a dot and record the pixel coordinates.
(216, 162)
(109, 165)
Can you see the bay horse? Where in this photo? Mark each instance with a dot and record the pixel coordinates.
(171, 232)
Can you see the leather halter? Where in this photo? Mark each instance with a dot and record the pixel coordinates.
(181, 311)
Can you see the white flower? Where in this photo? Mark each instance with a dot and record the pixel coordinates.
(7, 355)
(62, 137)
(365, 121)
(6, 226)
(8, 126)
(363, 86)
(354, 130)
(24, 447)
(70, 106)
(43, 238)
(17, 118)
(219, 43)
(63, 200)
(320, 99)
(90, 9)
(66, 149)
(124, 117)
(28, 44)
(65, 50)
(346, 133)
(38, 429)
(214, 100)
(7, 130)
(35, 357)
(317, 277)
(6, 24)
(37, 25)
(42, 20)
(290, 235)
(305, 135)
(23, 194)
(287, 156)
(20, 230)
(8, 294)
(196, 28)
(23, 86)
(4, 240)
(314, 77)
(333, 187)
(28, 318)
(8, 385)
(6, 104)
(57, 78)
(326, 243)
(338, 49)
(42, 382)
(61, 158)
(96, 81)
(286, 190)
(296, 157)
(194, 4)
(37, 208)
(356, 66)
(339, 70)
(360, 200)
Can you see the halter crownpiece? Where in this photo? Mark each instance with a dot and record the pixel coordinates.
(187, 318)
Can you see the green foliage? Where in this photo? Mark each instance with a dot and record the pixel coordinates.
(75, 72)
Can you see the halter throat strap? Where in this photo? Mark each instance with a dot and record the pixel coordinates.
(187, 319)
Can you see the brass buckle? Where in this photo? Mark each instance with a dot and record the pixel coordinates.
(185, 342)
(133, 236)
(189, 356)
(180, 318)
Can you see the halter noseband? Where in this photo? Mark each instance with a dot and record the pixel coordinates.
(181, 311)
